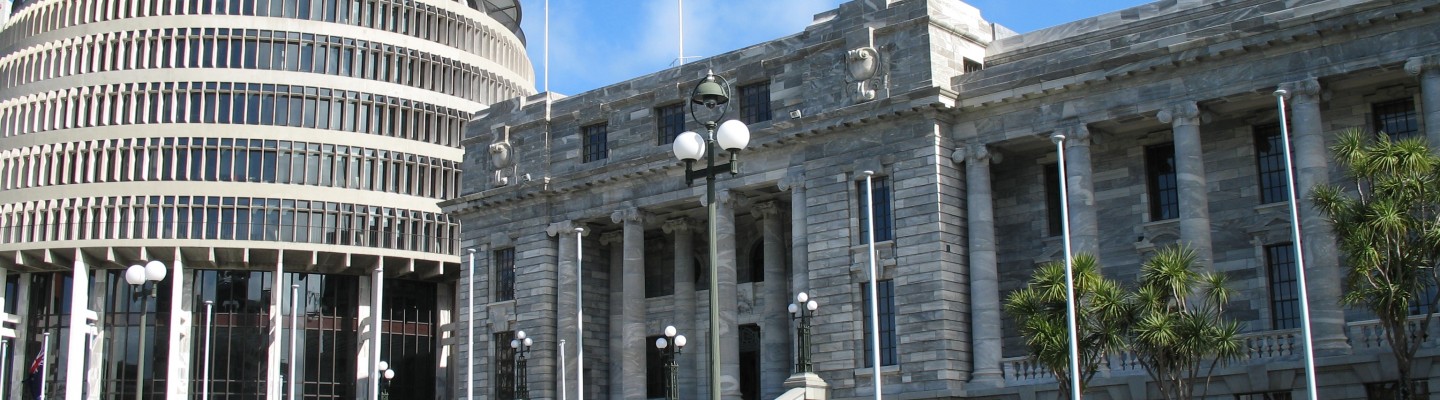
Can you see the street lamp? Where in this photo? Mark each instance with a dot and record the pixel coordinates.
(142, 276)
(521, 345)
(388, 374)
(802, 309)
(711, 92)
(670, 349)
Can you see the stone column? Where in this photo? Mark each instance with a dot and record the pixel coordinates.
(799, 232)
(984, 278)
(729, 347)
(1322, 267)
(633, 345)
(1427, 68)
(567, 303)
(1184, 120)
(775, 332)
(683, 316)
(616, 345)
(1080, 183)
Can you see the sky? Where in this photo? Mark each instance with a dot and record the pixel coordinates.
(596, 43)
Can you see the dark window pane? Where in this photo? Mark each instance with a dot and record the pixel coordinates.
(669, 122)
(504, 263)
(1270, 164)
(1396, 118)
(1164, 187)
(884, 221)
(1284, 295)
(1053, 215)
(888, 352)
(594, 138)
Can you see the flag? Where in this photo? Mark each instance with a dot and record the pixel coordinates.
(36, 376)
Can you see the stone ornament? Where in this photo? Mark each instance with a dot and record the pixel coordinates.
(502, 157)
(1423, 65)
(864, 68)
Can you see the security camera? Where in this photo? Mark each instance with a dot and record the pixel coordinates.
(795, 114)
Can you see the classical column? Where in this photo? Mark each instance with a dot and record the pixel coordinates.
(632, 354)
(1084, 229)
(1184, 119)
(794, 182)
(775, 334)
(682, 317)
(984, 278)
(567, 301)
(1327, 320)
(1427, 68)
(616, 345)
(729, 346)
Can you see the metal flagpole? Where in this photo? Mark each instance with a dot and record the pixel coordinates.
(44, 360)
(294, 328)
(681, 12)
(874, 288)
(4, 353)
(470, 331)
(579, 314)
(1070, 302)
(205, 371)
(1310, 392)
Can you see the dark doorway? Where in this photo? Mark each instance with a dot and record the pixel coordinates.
(750, 362)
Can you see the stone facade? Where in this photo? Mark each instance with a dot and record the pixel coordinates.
(956, 114)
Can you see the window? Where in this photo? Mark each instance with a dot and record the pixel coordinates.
(1164, 188)
(1284, 292)
(755, 270)
(755, 102)
(593, 138)
(669, 122)
(1396, 118)
(1270, 164)
(656, 378)
(504, 365)
(1053, 216)
(750, 353)
(884, 222)
(504, 275)
(1271, 395)
(888, 353)
(659, 276)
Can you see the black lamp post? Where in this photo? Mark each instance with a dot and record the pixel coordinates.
(521, 345)
(142, 277)
(802, 309)
(670, 350)
(731, 136)
(388, 374)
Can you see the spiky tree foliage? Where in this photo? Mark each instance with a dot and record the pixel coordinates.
(1178, 331)
(1040, 311)
(1387, 222)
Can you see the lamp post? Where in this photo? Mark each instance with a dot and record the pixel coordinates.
(388, 374)
(521, 345)
(142, 277)
(670, 349)
(731, 136)
(802, 309)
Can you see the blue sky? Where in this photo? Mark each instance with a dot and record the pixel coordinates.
(595, 43)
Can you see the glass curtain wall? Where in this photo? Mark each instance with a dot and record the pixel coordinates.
(328, 309)
(239, 330)
(49, 312)
(124, 304)
(409, 337)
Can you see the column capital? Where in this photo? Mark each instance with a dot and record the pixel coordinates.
(766, 209)
(726, 197)
(632, 214)
(1185, 113)
(678, 226)
(794, 180)
(1423, 65)
(1075, 135)
(567, 226)
(1304, 90)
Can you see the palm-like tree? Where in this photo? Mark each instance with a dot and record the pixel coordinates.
(1040, 310)
(1388, 227)
(1177, 331)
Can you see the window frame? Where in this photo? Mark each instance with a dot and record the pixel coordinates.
(1162, 187)
(594, 140)
(754, 102)
(884, 210)
(889, 340)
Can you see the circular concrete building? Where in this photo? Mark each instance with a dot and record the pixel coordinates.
(282, 158)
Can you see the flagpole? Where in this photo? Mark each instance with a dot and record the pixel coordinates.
(470, 330)
(209, 326)
(1070, 311)
(44, 347)
(1304, 293)
(563, 395)
(579, 314)
(874, 287)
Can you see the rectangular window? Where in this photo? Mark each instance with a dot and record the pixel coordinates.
(669, 122)
(659, 277)
(1164, 187)
(656, 378)
(1396, 118)
(504, 365)
(755, 102)
(884, 221)
(888, 353)
(1270, 164)
(593, 140)
(1284, 295)
(504, 263)
(1053, 215)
